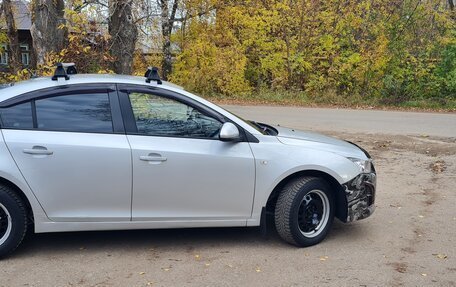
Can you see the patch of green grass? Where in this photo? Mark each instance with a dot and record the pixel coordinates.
(447, 105)
(331, 99)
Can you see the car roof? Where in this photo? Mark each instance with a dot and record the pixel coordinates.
(35, 84)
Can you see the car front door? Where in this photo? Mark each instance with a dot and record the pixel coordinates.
(70, 145)
(181, 170)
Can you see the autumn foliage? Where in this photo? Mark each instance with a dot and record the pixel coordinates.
(331, 51)
(384, 52)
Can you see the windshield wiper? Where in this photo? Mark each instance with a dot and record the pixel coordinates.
(259, 127)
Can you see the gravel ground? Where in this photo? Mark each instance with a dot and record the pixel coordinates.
(409, 241)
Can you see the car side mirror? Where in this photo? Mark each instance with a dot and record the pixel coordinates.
(229, 132)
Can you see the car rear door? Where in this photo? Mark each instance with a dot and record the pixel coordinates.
(181, 170)
(69, 143)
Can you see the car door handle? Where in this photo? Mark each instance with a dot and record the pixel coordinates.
(152, 158)
(38, 150)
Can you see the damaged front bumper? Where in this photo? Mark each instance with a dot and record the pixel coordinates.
(360, 193)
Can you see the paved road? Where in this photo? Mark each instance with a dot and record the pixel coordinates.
(356, 121)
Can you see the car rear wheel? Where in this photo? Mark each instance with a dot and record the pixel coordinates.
(13, 221)
(304, 211)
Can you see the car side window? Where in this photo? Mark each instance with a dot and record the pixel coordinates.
(17, 117)
(88, 112)
(161, 116)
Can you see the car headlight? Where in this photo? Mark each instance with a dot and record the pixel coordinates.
(364, 165)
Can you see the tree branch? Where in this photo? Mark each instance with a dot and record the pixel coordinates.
(199, 14)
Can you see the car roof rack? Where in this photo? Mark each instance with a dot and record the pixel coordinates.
(70, 68)
(60, 73)
(152, 75)
(62, 70)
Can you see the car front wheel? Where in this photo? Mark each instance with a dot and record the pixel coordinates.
(13, 221)
(304, 211)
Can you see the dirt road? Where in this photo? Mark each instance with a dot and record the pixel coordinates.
(409, 241)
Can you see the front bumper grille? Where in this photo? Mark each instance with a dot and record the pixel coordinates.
(360, 193)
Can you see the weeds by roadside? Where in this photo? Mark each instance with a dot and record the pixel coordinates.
(299, 98)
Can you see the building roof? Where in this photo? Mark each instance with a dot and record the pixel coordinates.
(22, 16)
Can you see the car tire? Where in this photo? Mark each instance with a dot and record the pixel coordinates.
(13, 220)
(305, 211)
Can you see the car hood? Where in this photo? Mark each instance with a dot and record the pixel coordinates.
(318, 141)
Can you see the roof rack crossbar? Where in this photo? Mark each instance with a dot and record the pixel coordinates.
(152, 75)
(60, 73)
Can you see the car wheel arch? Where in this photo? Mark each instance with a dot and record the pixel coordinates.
(22, 196)
(339, 195)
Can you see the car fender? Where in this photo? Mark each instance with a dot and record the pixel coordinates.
(273, 167)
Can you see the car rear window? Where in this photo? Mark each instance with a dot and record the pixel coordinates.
(75, 113)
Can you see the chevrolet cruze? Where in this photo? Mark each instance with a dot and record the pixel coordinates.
(111, 152)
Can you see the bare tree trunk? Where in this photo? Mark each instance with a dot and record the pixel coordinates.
(167, 23)
(124, 33)
(47, 16)
(13, 38)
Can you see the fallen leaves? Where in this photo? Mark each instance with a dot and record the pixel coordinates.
(400, 267)
(324, 258)
(438, 166)
(257, 269)
(440, 256)
(382, 144)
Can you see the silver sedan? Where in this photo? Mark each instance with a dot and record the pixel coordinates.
(110, 152)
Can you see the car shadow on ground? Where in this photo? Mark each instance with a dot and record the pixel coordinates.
(53, 244)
